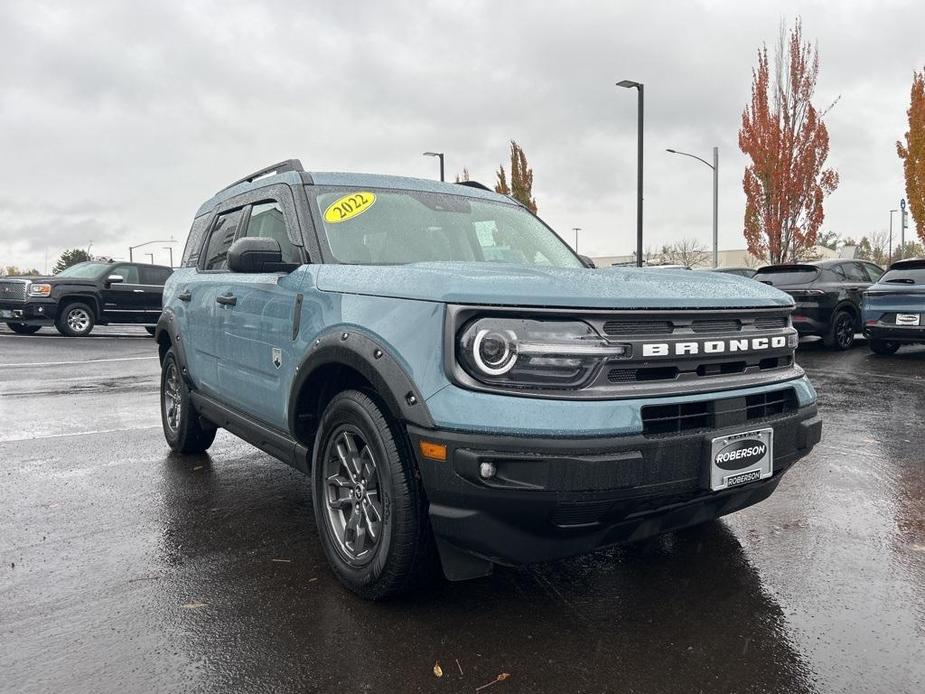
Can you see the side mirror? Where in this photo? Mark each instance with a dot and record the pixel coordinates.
(586, 261)
(256, 255)
(115, 279)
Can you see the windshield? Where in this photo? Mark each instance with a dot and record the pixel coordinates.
(388, 227)
(84, 270)
(781, 276)
(913, 275)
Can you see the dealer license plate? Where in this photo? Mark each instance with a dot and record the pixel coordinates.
(5, 313)
(908, 318)
(739, 459)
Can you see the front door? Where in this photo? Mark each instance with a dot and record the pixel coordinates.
(258, 363)
(123, 302)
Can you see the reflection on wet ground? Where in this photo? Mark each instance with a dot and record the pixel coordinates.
(129, 569)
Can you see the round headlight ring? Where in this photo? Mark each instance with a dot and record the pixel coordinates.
(495, 366)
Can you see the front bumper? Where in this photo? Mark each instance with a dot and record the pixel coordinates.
(31, 312)
(555, 497)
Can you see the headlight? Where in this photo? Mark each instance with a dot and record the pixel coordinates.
(39, 290)
(534, 353)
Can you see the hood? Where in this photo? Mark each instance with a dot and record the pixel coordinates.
(526, 285)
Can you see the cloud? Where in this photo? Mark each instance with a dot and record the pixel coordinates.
(118, 119)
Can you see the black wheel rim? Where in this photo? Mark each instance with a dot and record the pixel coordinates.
(844, 330)
(352, 500)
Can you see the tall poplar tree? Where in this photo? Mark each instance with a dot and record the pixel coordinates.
(521, 187)
(913, 153)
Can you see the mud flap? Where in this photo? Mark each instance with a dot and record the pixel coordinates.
(461, 566)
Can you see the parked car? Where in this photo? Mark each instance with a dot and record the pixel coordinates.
(894, 308)
(740, 271)
(827, 294)
(458, 384)
(84, 295)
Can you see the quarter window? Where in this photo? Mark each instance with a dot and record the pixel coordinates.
(875, 272)
(194, 241)
(223, 234)
(267, 221)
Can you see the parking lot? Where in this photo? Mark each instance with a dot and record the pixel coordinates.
(126, 568)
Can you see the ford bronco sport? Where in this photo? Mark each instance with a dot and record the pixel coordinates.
(459, 386)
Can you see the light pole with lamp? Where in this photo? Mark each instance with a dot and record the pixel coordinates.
(439, 155)
(715, 167)
(640, 88)
(890, 241)
(169, 249)
(147, 243)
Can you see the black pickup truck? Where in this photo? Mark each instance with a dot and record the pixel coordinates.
(84, 295)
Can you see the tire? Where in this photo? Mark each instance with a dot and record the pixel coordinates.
(841, 332)
(884, 347)
(75, 319)
(182, 428)
(363, 470)
(151, 330)
(23, 329)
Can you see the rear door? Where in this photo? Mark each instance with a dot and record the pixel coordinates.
(857, 280)
(258, 362)
(205, 316)
(153, 278)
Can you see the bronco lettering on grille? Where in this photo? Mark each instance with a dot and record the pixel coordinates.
(680, 349)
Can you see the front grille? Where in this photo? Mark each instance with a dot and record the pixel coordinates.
(716, 326)
(638, 327)
(771, 323)
(12, 291)
(666, 420)
(694, 369)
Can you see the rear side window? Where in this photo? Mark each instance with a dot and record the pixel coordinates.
(194, 241)
(223, 234)
(855, 273)
(267, 221)
(154, 275)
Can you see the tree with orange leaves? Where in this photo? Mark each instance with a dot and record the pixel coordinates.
(913, 153)
(786, 139)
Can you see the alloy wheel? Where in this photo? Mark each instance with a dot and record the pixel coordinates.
(172, 402)
(78, 319)
(844, 330)
(352, 499)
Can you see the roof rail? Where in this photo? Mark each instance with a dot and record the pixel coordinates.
(474, 184)
(281, 167)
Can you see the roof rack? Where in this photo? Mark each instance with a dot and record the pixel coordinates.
(281, 167)
(474, 184)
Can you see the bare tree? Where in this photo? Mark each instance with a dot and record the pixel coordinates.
(686, 252)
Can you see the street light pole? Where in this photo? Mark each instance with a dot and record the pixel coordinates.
(576, 230)
(890, 242)
(640, 88)
(146, 243)
(151, 256)
(169, 249)
(715, 167)
(439, 155)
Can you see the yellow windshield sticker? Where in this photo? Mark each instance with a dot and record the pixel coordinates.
(349, 207)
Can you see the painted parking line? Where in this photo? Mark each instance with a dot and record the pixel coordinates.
(82, 361)
(79, 433)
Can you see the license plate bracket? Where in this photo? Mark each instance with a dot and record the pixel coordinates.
(909, 319)
(741, 458)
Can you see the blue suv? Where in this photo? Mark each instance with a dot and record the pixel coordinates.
(462, 390)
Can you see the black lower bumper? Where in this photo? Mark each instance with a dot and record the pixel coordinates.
(553, 498)
(32, 312)
(904, 335)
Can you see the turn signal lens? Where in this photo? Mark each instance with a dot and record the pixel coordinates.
(39, 290)
(433, 451)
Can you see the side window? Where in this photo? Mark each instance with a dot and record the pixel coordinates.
(129, 273)
(223, 233)
(855, 273)
(154, 275)
(875, 272)
(194, 241)
(267, 221)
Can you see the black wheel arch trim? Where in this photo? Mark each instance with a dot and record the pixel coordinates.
(346, 346)
(167, 325)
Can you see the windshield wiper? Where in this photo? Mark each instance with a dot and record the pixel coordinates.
(901, 280)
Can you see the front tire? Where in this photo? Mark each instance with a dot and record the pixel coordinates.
(884, 347)
(182, 428)
(841, 332)
(23, 329)
(369, 504)
(75, 320)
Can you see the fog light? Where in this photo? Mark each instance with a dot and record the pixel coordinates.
(487, 470)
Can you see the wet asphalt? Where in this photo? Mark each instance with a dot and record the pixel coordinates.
(124, 568)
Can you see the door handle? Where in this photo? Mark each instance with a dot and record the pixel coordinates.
(138, 291)
(185, 295)
(227, 299)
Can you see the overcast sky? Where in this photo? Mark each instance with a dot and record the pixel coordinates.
(117, 119)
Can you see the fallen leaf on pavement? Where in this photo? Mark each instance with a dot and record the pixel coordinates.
(438, 671)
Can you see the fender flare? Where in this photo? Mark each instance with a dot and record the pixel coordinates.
(167, 325)
(347, 347)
